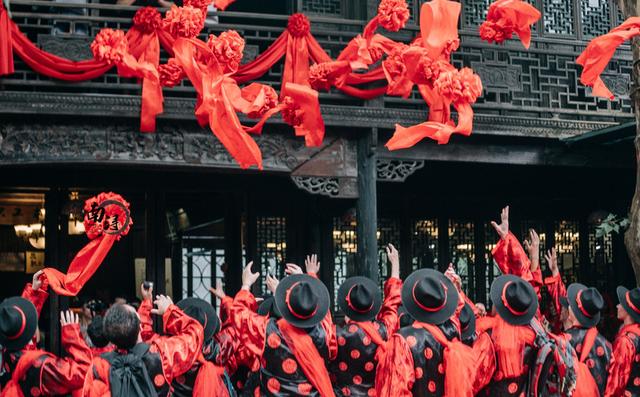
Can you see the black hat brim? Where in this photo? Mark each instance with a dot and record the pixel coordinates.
(572, 297)
(319, 290)
(268, 308)
(437, 317)
(353, 314)
(622, 297)
(31, 323)
(212, 323)
(471, 327)
(564, 302)
(496, 297)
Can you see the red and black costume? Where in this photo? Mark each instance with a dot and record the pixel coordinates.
(558, 292)
(165, 357)
(512, 259)
(354, 368)
(287, 352)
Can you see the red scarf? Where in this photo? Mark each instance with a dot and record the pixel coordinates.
(510, 341)
(458, 361)
(372, 332)
(585, 384)
(209, 380)
(26, 361)
(307, 355)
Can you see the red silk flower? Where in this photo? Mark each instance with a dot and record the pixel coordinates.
(109, 46)
(171, 73)
(459, 85)
(506, 17)
(227, 49)
(393, 14)
(301, 109)
(184, 21)
(261, 98)
(199, 4)
(147, 19)
(326, 74)
(298, 25)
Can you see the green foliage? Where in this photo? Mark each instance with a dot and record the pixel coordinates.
(612, 223)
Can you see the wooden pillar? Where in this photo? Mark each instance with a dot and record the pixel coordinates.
(155, 249)
(233, 243)
(55, 256)
(366, 207)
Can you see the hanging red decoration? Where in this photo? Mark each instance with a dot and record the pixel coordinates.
(227, 48)
(186, 21)
(506, 17)
(171, 73)
(109, 46)
(147, 19)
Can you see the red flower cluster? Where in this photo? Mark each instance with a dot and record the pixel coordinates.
(320, 76)
(147, 19)
(393, 14)
(227, 48)
(270, 102)
(429, 70)
(107, 213)
(393, 65)
(171, 73)
(184, 21)
(298, 25)
(459, 85)
(262, 97)
(499, 32)
(200, 4)
(452, 46)
(291, 112)
(109, 46)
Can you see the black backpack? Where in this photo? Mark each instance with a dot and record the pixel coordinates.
(128, 375)
(553, 372)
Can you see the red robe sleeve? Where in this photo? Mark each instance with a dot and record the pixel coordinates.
(395, 374)
(485, 361)
(251, 327)
(226, 306)
(620, 366)
(389, 312)
(37, 297)
(512, 259)
(179, 351)
(556, 289)
(64, 375)
(146, 323)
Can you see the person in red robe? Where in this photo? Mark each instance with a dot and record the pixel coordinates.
(295, 350)
(624, 370)
(95, 332)
(160, 361)
(427, 358)
(555, 285)
(369, 323)
(29, 371)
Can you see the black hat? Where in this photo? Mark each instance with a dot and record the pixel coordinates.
(18, 323)
(564, 302)
(586, 304)
(429, 296)
(268, 308)
(302, 300)
(467, 322)
(515, 299)
(202, 311)
(404, 318)
(360, 298)
(630, 301)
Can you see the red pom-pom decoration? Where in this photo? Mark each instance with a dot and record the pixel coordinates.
(200, 4)
(298, 25)
(498, 32)
(184, 21)
(147, 19)
(109, 46)
(393, 14)
(171, 73)
(107, 213)
(227, 48)
(291, 112)
(319, 76)
(459, 85)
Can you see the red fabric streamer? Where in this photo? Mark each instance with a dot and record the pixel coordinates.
(107, 220)
(222, 5)
(596, 56)
(6, 47)
(302, 111)
(506, 17)
(209, 380)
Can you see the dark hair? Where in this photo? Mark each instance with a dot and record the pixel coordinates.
(96, 332)
(121, 326)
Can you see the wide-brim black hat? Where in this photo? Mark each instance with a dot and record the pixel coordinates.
(268, 308)
(18, 323)
(319, 291)
(431, 316)
(467, 322)
(572, 296)
(564, 302)
(508, 314)
(347, 305)
(631, 306)
(202, 311)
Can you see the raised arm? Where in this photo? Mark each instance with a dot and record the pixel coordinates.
(251, 327)
(555, 286)
(36, 291)
(313, 268)
(144, 312)
(392, 288)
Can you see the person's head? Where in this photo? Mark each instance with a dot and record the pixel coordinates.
(18, 323)
(120, 300)
(201, 311)
(482, 309)
(95, 330)
(629, 307)
(121, 326)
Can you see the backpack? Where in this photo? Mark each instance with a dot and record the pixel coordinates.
(128, 375)
(552, 373)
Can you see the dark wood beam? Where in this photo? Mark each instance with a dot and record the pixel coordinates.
(366, 207)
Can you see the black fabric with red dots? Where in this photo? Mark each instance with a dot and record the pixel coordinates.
(280, 374)
(354, 369)
(427, 358)
(599, 356)
(30, 385)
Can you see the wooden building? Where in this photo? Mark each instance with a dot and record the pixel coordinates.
(541, 143)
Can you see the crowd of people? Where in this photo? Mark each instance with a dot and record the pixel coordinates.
(422, 337)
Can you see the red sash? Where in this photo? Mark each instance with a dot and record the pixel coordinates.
(372, 332)
(585, 384)
(12, 388)
(209, 380)
(307, 355)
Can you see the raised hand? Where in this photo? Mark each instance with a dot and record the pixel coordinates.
(218, 291)
(162, 302)
(533, 248)
(272, 283)
(394, 259)
(292, 268)
(503, 228)
(249, 277)
(312, 265)
(451, 274)
(147, 294)
(36, 282)
(552, 261)
(68, 318)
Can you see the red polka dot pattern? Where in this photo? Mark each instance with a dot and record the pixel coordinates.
(289, 366)
(342, 366)
(431, 386)
(368, 366)
(411, 340)
(273, 385)
(428, 353)
(304, 389)
(513, 388)
(35, 392)
(419, 372)
(357, 380)
(158, 380)
(355, 354)
(273, 340)
(353, 329)
(342, 341)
